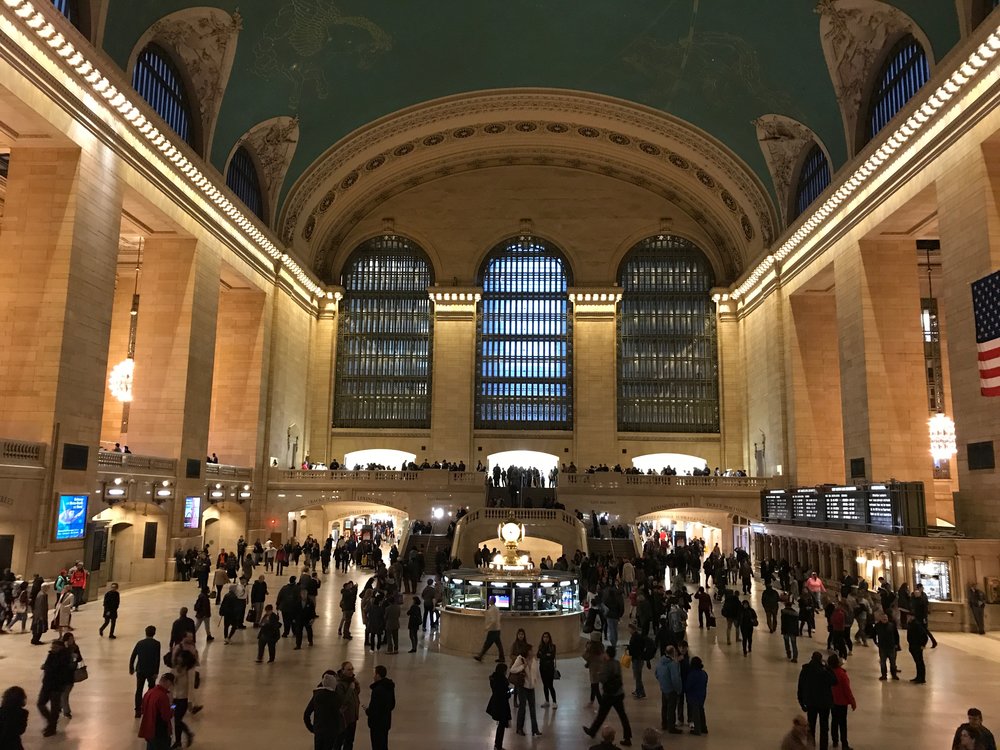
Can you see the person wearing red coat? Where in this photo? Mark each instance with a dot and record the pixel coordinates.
(157, 714)
(842, 698)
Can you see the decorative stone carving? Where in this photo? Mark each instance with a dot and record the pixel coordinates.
(854, 35)
(272, 142)
(204, 40)
(783, 141)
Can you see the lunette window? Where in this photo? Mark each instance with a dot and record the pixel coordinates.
(242, 179)
(667, 353)
(385, 332)
(524, 356)
(814, 178)
(158, 81)
(903, 73)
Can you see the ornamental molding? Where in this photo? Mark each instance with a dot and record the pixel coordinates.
(784, 142)
(726, 229)
(272, 145)
(204, 42)
(475, 121)
(855, 36)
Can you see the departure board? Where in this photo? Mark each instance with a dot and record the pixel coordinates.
(775, 505)
(845, 505)
(880, 514)
(807, 505)
(893, 507)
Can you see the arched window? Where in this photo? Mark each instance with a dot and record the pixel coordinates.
(70, 9)
(159, 82)
(241, 177)
(384, 340)
(667, 355)
(524, 367)
(905, 70)
(814, 177)
(4, 164)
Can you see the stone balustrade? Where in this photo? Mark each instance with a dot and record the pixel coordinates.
(617, 480)
(228, 471)
(134, 463)
(429, 478)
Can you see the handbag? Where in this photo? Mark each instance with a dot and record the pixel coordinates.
(80, 674)
(251, 615)
(557, 675)
(626, 661)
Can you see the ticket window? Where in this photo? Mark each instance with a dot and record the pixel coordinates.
(935, 576)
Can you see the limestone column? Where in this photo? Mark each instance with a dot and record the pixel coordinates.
(58, 248)
(732, 382)
(968, 194)
(883, 384)
(816, 444)
(453, 373)
(322, 368)
(595, 376)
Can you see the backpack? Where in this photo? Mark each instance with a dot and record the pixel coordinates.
(649, 649)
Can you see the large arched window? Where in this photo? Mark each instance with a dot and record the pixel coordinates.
(159, 82)
(667, 355)
(524, 373)
(814, 177)
(242, 179)
(384, 340)
(905, 70)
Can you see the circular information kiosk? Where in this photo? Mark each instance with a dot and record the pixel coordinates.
(537, 601)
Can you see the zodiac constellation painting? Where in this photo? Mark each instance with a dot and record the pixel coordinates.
(305, 35)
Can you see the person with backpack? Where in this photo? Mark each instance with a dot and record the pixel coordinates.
(748, 621)
(612, 697)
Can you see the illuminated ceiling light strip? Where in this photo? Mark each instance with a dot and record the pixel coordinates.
(927, 111)
(77, 62)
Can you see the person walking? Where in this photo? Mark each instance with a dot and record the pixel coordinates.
(491, 624)
(920, 607)
(413, 623)
(769, 600)
(112, 600)
(181, 627)
(842, 698)
(731, 611)
(705, 608)
(62, 612)
(498, 707)
(887, 640)
(304, 616)
(77, 658)
(258, 595)
(13, 718)
(977, 605)
(57, 675)
(144, 663)
(637, 651)
(78, 585)
(219, 579)
(268, 635)
(348, 603)
(815, 695)
(790, 631)
(322, 715)
(525, 675)
(696, 690)
(183, 690)
(392, 613)
(816, 588)
(668, 675)
(916, 640)
(203, 613)
(547, 669)
(612, 696)
(40, 615)
(380, 707)
(748, 622)
(231, 611)
(157, 714)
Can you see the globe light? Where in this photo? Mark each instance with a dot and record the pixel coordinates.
(120, 380)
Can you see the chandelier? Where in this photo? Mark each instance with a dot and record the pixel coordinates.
(120, 380)
(942, 434)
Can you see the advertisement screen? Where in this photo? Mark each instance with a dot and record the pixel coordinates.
(71, 519)
(192, 512)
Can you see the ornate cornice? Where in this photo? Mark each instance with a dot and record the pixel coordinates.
(623, 134)
(272, 144)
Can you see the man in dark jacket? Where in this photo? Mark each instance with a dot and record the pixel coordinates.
(112, 600)
(183, 624)
(916, 639)
(258, 594)
(769, 601)
(790, 631)
(887, 640)
(57, 675)
(816, 696)
(286, 602)
(322, 715)
(380, 707)
(144, 663)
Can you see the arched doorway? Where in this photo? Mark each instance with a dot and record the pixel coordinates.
(223, 524)
(137, 542)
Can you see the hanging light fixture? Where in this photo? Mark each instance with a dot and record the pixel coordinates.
(122, 376)
(120, 380)
(942, 433)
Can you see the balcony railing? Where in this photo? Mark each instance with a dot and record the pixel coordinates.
(21, 453)
(428, 477)
(228, 471)
(616, 480)
(136, 464)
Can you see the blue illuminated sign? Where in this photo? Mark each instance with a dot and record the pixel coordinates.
(71, 520)
(192, 512)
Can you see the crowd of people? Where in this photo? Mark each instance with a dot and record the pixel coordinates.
(425, 465)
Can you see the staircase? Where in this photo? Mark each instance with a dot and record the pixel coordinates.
(607, 546)
(429, 544)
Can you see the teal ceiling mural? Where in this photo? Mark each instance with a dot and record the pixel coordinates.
(339, 64)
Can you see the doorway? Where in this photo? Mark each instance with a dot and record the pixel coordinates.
(6, 551)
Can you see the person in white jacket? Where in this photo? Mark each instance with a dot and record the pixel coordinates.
(526, 665)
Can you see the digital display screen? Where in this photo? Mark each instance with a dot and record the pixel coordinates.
(880, 506)
(192, 512)
(503, 601)
(806, 504)
(776, 506)
(71, 518)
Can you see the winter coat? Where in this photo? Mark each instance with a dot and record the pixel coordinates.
(499, 705)
(842, 695)
(696, 687)
(381, 704)
(668, 674)
(816, 686)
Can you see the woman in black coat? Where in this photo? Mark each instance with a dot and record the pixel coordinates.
(547, 668)
(14, 718)
(499, 706)
(414, 617)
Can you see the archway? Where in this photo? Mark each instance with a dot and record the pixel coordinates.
(137, 543)
(222, 526)
(544, 462)
(387, 457)
(679, 526)
(657, 462)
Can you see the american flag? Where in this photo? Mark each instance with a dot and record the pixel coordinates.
(986, 306)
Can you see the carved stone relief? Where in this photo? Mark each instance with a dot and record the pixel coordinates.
(272, 143)
(854, 35)
(783, 141)
(204, 40)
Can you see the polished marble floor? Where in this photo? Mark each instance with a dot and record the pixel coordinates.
(441, 698)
